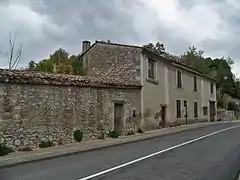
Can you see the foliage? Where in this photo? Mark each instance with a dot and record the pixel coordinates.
(25, 148)
(157, 48)
(77, 65)
(233, 106)
(130, 132)
(4, 150)
(59, 62)
(78, 135)
(140, 130)
(102, 135)
(45, 144)
(113, 134)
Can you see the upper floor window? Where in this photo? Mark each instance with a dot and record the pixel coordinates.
(195, 83)
(179, 79)
(211, 88)
(151, 69)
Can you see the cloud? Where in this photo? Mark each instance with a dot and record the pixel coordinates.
(43, 25)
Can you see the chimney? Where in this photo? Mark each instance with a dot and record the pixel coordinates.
(85, 46)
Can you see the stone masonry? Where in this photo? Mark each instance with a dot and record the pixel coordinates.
(36, 107)
(114, 62)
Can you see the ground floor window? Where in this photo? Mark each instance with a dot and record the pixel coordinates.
(205, 110)
(178, 108)
(195, 106)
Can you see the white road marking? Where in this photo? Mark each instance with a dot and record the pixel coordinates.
(154, 154)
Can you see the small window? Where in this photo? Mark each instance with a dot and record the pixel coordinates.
(195, 83)
(134, 113)
(185, 103)
(151, 69)
(178, 108)
(211, 88)
(205, 110)
(195, 109)
(179, 79)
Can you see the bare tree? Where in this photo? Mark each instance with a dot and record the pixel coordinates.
(15, 52)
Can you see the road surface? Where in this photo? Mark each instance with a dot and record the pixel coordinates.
(207, 153)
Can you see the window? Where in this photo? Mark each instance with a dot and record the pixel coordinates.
(179, 79)
(151, 70)
(195, 83)
(211, 88)
(205, 110)
(195, 109)
(134, 113)
(185, 103)
(178, 108)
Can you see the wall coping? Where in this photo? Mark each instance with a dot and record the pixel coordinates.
(39, 78)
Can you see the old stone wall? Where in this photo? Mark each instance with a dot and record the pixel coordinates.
(114, 61)
(30, 113)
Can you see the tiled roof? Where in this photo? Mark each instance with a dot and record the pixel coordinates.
(28, 77)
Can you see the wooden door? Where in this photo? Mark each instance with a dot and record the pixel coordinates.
(118, 117)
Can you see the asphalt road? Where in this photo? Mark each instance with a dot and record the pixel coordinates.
(214, 157)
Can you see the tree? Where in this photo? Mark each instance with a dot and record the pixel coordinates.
(77, 65)
(157, 48)
(31, 65)
(15, 52)
(59, 62)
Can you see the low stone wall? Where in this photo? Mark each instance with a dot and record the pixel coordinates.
(225, 115)
(30, 113)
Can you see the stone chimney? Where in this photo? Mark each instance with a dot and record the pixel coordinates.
(85, 46)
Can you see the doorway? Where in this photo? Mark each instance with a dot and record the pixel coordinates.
(163, 116)
(212, 111)
(118, 117)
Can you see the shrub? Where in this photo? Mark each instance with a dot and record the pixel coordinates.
(102, 136)
(78, 135)
(4, 150)
(45, 144)
(113, 134)
(140, 130)
(130, 132)
(25, 148)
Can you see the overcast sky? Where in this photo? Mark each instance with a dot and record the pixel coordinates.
(45, 25)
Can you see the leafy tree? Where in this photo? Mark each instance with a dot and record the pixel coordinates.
(31, 65)
(157, 48)
(59, 62)
(77, 65)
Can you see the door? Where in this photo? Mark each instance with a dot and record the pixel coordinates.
(118, 117)
(212, 111)
(163, 116)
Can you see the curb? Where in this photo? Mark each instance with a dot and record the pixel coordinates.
(10, 161)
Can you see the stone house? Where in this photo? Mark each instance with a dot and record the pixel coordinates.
(36, 107)
(171, 91)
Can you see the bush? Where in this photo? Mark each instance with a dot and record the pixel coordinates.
(78, 135)
(45, 144)
(4, 150)
(130, 132)
(113, 134)
(102, 136)
(25, 148)
(140, 130)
